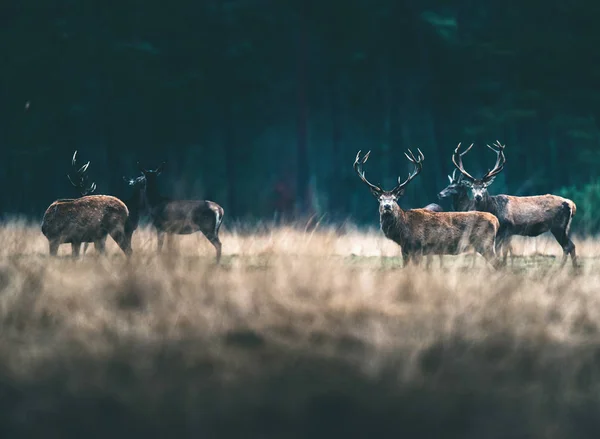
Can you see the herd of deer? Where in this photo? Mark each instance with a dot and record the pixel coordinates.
(479, 220)
(91, 218)
(482, 221)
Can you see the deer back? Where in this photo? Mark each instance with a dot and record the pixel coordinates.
(420, 228)
(84, 219)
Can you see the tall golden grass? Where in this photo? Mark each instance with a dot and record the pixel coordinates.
(297, 333)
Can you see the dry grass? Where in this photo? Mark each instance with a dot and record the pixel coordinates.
(297, 334)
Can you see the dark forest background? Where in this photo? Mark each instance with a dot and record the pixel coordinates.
(261, 105)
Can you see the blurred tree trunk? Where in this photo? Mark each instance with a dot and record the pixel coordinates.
(336, 203)
(229, 145)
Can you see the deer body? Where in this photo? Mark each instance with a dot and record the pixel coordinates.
(87, 219)
(422, 232)
(182, 217)
(531, 216)
(427, 232)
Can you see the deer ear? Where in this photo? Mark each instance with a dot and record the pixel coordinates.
(490, 181)
(450, 179)
(160, 168)
(375, 193)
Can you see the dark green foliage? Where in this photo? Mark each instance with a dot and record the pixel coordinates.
(587, 199)
(217, 89)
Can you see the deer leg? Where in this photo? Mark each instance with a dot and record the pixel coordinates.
(53, 247)
(123, 240)
(100, 245)
(406, 258)
(567, 245)
(213, 238)
(85, 246)
(75, 247)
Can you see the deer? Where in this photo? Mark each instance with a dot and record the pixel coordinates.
(424, 232)
(181, 217)
(460, 201)
(90, 218)
(525, 216)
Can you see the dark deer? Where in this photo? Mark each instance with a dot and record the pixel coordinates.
(423, 232)
(525, 216)
(136, 203)
(181, 217)
(460, 201)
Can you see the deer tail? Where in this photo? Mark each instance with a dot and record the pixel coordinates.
(219, 213)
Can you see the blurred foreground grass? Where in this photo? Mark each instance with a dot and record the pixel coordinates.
(296, 334)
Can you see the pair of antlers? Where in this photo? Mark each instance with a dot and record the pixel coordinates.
(500, 161)
(81, 177)
(417, 161)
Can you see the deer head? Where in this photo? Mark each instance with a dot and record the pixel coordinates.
(454, 188)
(479, 186)
(81, 178)
(388, 199)
(150, 175)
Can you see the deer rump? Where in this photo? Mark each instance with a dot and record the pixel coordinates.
(183, 217)
(85, 219)
(534, 215)
(448, 233)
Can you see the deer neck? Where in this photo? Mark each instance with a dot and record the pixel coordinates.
(461, 202)
(135, 203)
(393, 223)
(152, 196)
(486, 204)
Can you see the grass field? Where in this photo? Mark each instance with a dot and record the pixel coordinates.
(297, 334)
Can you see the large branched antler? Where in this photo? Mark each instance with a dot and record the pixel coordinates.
(457, 160)
(418, 162)
(358, 162)
(81, 177)
(500, 161)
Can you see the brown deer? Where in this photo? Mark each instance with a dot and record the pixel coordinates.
(423, 232)
(525, 216)
(90, 218)
(181, 217)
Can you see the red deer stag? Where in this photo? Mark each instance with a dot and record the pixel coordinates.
(181, 217)
(90, 218)
(525, 216)
(423, 232)
(459, 198)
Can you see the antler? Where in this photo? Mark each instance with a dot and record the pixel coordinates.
(457, 160)
(358, 162)
(82, 177)
(500, 161)
(418, 162)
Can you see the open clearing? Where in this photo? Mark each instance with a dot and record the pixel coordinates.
(297, 334)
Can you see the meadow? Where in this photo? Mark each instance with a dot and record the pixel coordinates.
(297, 333)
